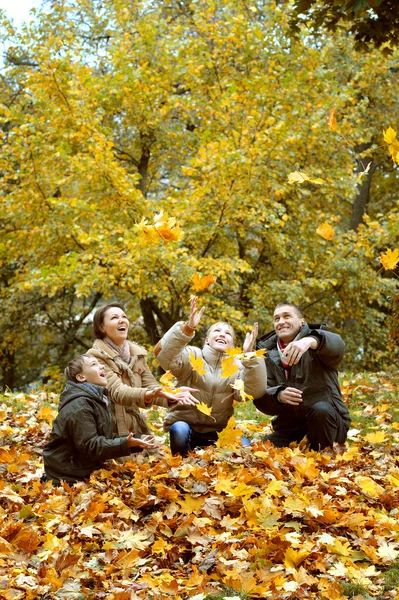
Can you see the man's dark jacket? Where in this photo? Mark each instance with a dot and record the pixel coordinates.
(81, 438)
(315, 374)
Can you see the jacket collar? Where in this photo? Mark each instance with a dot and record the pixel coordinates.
(135, 349)
(212, 356)
(269, 340)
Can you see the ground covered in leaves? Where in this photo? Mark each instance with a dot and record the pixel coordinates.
(226, 522)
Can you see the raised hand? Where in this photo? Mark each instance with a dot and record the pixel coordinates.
(195, 313)
(250, 339)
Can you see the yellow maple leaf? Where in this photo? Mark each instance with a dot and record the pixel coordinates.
(390, 259)
(375, 438)
(341, 548)
(202, 407)
(167, 381)
(293, 558)
(369, 486)
(332, 121)
(389, 135)
(197, 363)
(325, 231)
(164, 227)
(239, 385)
(229, 367)
(230, 436)
(202, 283)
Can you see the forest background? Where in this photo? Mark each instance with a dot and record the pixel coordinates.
(147, 145)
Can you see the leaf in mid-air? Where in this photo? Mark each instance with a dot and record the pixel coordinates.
(326, 231)
(390, 259)
(202, 283)
(197, 364)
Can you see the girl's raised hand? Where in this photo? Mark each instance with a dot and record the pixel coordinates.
(195, 313)
(250, 339)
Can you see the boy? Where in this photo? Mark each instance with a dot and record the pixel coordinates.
(82, 438)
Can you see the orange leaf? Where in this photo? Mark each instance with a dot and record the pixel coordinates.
(202, 407)
(326, 231)
(332, 121)
(202, 283)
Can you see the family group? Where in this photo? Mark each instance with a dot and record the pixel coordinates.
(99, 415)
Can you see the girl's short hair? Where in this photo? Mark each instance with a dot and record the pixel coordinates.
(233, 335)
(75, 367)
(98, 319)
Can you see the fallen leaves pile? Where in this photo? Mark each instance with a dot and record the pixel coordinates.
(272, 523)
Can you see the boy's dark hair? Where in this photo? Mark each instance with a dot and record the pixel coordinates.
(98, 319)
(292, 305)
(74, 367)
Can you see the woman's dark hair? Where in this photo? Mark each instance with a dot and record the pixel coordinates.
(75, 367)
(98, 319)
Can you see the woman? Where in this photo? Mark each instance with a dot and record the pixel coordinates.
(188, 427)
(130, 383)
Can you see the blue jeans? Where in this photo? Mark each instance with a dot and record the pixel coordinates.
(183, 438)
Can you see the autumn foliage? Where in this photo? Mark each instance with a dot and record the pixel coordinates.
(150, 149)
(272, 523)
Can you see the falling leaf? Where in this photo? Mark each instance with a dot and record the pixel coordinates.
(164, 227)
(300, 177)
(361, 175)
(197, 363)
(202, 283)
(325, 231)
(390, 259)
(168, 381)
(230, 436)
(239, 385)
(389, 135)
(202, 407)
(332, 121)
(229, 367)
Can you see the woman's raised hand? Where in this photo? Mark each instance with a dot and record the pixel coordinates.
(146, 441)
(183, 396)
(195, 313)
(250, 339)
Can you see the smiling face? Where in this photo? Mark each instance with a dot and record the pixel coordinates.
(92, 372)
(115, 325)
(287, 323)
(220, 337)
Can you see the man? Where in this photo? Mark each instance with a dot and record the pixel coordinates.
(302, 381)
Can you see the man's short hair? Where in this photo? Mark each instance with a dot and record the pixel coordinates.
(74, 367)
(292, 305)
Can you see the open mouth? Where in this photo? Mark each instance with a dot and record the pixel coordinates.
(219, 341)
(122, 328)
